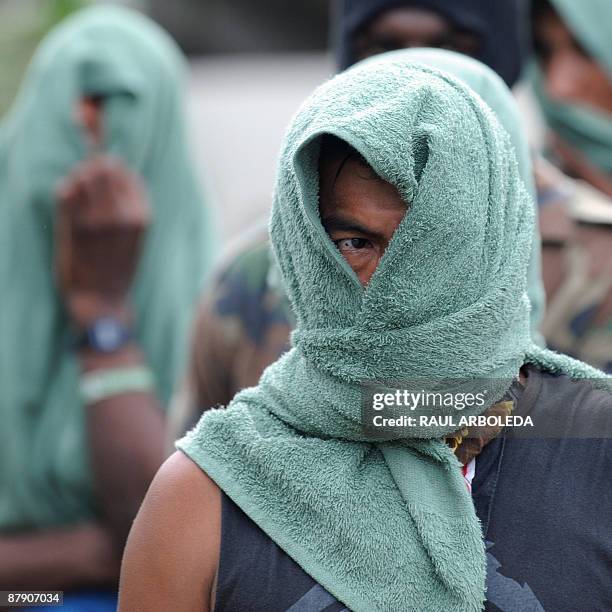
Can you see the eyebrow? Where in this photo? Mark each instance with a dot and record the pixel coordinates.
(338, 223)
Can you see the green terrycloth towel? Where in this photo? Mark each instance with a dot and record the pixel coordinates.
(492, 89)
(384, 525)
(587, 129)
(44, 469)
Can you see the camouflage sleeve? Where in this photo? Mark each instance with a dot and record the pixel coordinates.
(241, 327)
(212, 358)
(576, 226)
(207, 382)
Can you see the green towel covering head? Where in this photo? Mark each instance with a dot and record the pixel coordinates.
(384, 525)
(587, 129)
(124, 57)
(491, 88)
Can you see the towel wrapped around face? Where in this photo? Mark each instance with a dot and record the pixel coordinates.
(384, 523)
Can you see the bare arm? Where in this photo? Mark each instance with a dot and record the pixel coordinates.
(172, 553)
(103, 216)
(59, 559)
(126, 444)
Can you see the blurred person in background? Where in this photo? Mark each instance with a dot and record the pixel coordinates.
(573, 82)
(244, 321)
(491, 32)
(105, 241)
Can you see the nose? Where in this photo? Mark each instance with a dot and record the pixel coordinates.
(564, 75)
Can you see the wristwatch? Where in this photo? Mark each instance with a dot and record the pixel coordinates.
(106, 335)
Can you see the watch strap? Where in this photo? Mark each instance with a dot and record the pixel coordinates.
(98, 385)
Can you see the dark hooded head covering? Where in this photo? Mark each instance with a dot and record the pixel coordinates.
(498, 23)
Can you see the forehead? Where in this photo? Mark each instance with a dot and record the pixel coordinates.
(551, 30)
(352, 187)
(405, 21)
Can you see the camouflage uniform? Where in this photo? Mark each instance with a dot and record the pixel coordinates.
(242, 326)
(576, 228)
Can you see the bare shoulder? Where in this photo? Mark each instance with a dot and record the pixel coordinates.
(172, 553)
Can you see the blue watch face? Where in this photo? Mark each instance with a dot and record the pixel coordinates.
(107, 334)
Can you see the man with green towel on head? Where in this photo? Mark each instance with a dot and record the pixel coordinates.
(402, 231)
(573, 83)
(244, 321)
(105, 240)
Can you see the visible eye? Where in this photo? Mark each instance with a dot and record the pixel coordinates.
(375, 46)
(382, 44)
(463, 43)
(541, 50)
(351, 244)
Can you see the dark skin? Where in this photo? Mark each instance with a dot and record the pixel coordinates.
(360, 212)
(172, 554)
(406, 27)
(102, 216)
(571, 75)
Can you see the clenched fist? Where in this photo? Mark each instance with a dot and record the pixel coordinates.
(103, 214)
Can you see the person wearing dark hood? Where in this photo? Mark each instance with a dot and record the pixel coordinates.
(573, 84)
(98, 281)
(491, 32)
(402, 263)
(244, 321)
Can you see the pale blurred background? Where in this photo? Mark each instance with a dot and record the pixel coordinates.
(252, 64)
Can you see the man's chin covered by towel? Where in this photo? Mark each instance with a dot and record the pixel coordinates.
(402, 230)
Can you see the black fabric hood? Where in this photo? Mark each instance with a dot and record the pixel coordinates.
(499, 24)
